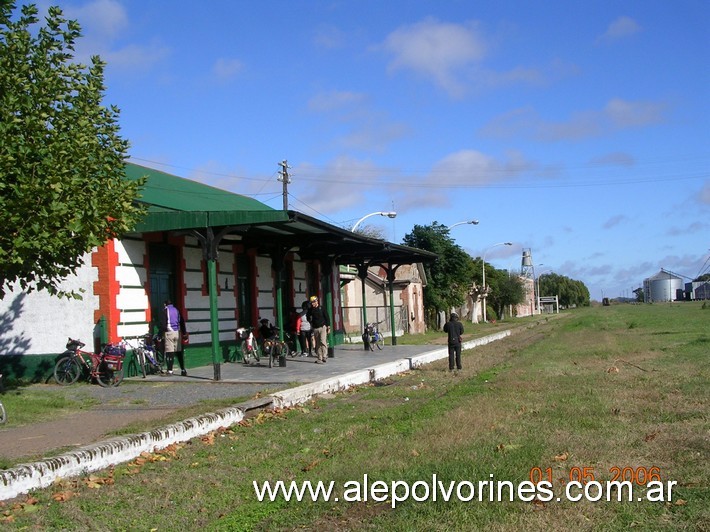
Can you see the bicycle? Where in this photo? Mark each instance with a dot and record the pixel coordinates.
(250, 349)
(373, 337)
(274, 347)
(3, 414)
(146, 354)
(105, 367)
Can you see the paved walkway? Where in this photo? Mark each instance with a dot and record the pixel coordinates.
(300, 370)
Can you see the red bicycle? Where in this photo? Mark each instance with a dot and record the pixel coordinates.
(105, 367)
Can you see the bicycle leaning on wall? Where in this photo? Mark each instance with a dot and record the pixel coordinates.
(105, 367)
(146, 354)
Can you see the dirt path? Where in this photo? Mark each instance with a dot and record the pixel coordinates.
(82, 428)
(118, 408)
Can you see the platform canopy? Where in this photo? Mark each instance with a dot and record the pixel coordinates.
(180, 205)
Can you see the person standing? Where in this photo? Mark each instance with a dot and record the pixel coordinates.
(172, 326)
(304, 331)
(454, 328)
(318, 319)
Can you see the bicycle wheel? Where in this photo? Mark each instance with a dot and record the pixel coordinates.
(3, 414)
(380, 341)
(246, 355)
(153, 365)
(106, 377)
(140, 360)
(67, 371)
(371, 341)
(285, 350)
(271, 354)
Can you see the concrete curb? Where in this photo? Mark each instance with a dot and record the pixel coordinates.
(306, 392)
(26, 477)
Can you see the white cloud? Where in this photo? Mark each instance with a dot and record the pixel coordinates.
(704, 196)
(365, 128)
(227, 69)
(104, 23)
(335, 100)
(436, 50)
(623, 113)
(618, 29)
(329, 37)
(101, 17)
(695, 227)
(323, 193)
(614, 221)
(617, 114)
(466, 167)
(135, 56)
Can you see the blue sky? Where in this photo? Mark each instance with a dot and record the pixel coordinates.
(577, 130)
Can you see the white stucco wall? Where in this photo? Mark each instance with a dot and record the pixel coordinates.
(132, 300)
(37, 323)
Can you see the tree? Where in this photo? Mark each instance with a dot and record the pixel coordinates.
(370, 231)
(62, 185)
(506, 290)
(639, 295)
(450, 276)
(569, 291)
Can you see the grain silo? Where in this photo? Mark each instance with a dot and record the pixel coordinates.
(664, 286)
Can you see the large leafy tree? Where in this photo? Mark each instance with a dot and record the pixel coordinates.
(62, 186)
(450, 276)
(506, 291)
(570, 292)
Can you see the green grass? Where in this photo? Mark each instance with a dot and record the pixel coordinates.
(32, 404)
(584, 391)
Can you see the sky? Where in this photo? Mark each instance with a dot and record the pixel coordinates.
(577, 130)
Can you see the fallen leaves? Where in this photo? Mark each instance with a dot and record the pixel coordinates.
(651, 436)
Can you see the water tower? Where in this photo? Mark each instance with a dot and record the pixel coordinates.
(527, 269)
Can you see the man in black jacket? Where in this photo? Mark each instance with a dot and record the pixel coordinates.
(455, 330)
(318, 319)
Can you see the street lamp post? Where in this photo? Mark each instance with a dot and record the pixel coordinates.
(388, 214)
(362, 271)
(472, 222)
(484, 274)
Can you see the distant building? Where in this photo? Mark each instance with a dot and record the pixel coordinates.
(697, 290)
(664, 286)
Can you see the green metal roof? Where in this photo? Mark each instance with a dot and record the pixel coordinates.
(177, 203)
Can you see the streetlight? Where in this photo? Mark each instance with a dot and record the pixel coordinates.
(388, 214)
(484, 274)
(472, 222)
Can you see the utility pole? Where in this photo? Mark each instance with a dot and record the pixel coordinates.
(283, 177)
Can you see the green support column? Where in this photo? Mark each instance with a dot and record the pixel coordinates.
(214, 316)
(277, 264)
(390, 280)
(362, 274)
(209, 243)
(328, 273)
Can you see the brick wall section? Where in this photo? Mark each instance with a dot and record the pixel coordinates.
(105, 259)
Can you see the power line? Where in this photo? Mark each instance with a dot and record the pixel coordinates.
(438, 179)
